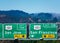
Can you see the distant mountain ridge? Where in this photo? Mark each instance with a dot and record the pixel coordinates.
(17, 16)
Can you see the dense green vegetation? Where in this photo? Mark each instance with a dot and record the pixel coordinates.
(16, 16)
(33, 41)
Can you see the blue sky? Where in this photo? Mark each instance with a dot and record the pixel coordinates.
(31, 6)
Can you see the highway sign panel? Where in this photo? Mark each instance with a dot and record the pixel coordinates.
(1, 31)
(43, 30)
(12, 30)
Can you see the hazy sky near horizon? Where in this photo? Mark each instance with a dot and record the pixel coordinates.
(31, 6)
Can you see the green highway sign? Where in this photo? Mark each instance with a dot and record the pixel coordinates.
(12, 30)
(43, 30)
(9, 30)
(1, 31)
(36, 31)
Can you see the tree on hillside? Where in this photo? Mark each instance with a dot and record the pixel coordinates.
(55, 20)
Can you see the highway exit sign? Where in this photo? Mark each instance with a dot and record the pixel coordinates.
(14, 30)
(43, 30)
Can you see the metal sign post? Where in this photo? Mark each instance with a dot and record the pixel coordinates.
(16, 41)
